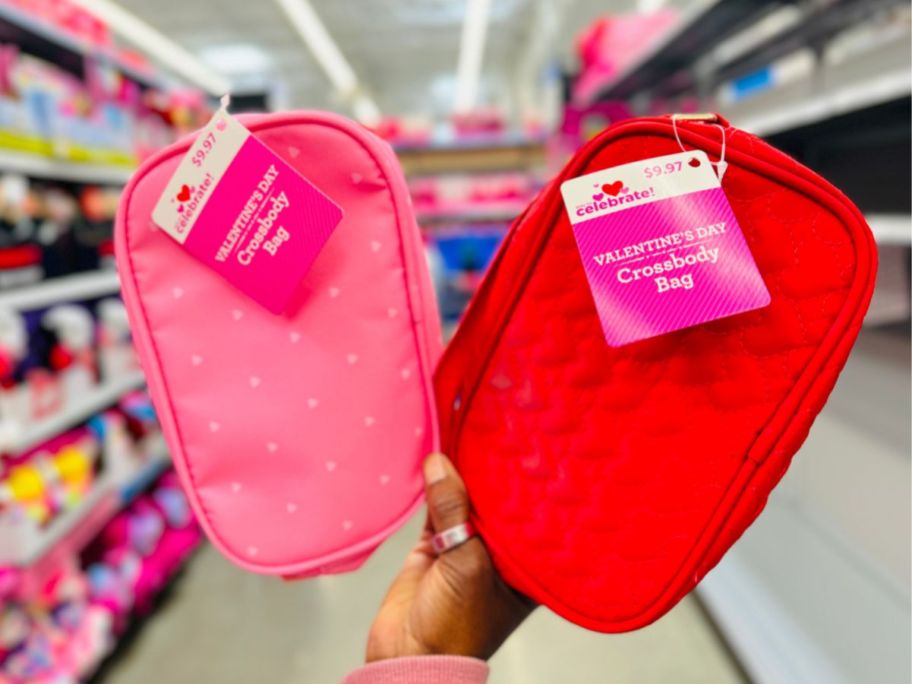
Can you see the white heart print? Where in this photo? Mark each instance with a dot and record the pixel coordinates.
(237, 314)
(178, 292)
(312, 403)
(196, 359)
(352, 359)
(255, 381)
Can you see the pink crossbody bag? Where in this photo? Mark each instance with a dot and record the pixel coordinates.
(298, 436)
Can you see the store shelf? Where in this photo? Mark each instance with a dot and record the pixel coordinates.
(828, 104)
(74, 288)
(502, 213)
(33, 30)
(37, 554)
(54, 169)
(891, 229)
(159, 461)
(518, 154)
(768, 642)
(21, 547)
(17, 440)
(705, 25)
(819, 24)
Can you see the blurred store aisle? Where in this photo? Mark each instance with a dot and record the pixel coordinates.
(314, 631)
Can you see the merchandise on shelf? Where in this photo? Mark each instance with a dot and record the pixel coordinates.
(581, 123)
(459, 258)
(479, 123)
(72, 353)
(52, 359)
(49, 230)
(116, 357)
(104, 119)
(45, 483)
(68, 17)
(398, 131)
(458, 198)
(71, 620)
(612, 44)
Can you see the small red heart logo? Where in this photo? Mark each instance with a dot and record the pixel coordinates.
(613, 188)
(597, 196)
(694, 162)
(184, 194)
(180, 208)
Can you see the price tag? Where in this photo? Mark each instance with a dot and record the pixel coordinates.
(242, 210)
(661, 247)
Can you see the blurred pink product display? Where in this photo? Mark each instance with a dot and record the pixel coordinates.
(612, 44)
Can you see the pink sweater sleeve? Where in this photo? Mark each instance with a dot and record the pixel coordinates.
(421, 670)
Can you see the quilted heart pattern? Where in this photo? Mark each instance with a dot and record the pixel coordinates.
(313, 421)
(608, 481)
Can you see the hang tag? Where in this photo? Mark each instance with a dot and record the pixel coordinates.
(661, 247)
(239, 208)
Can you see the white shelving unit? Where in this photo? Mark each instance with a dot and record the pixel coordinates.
(56, 169)
(35, 552)
(817, 589)
(23, 545)
(891, 229)
(496, 214)
(821, 106)
(74, 288)
(844, 83)
(16, 439)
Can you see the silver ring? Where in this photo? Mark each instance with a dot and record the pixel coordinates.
(454, 536)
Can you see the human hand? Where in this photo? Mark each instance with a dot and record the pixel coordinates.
(452, 604)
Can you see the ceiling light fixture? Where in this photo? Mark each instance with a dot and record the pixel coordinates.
(324, 49)
(157, 46)
(471, 53)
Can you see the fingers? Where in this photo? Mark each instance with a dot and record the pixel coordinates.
(447, 500)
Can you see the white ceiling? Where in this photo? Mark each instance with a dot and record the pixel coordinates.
(403, 51)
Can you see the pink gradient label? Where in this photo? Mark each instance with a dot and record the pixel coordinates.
(668, 264)
(243, 211)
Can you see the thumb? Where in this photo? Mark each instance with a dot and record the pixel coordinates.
(447, 500)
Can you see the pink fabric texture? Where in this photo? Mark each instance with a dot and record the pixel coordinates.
(299, 437)
(422, 670)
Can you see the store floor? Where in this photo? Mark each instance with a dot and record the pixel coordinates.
(222, 625)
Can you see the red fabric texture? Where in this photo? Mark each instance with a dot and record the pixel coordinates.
(608, 481)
